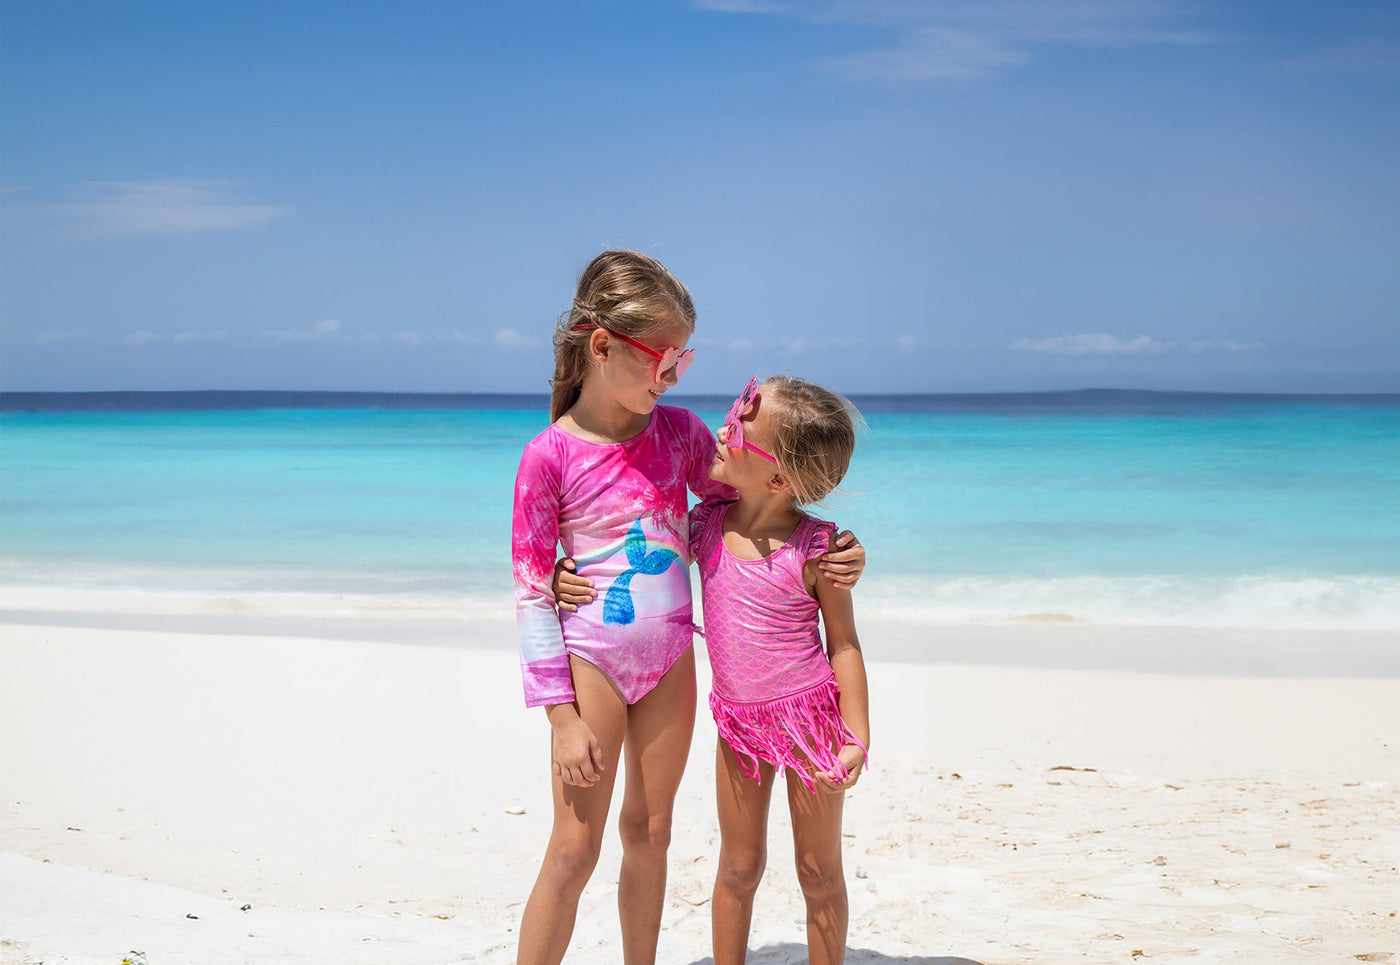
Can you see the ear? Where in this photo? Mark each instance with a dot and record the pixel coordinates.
(778, 483)
(599, 345)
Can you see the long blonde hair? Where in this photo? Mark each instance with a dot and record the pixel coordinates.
(622, 291)
(814, 437)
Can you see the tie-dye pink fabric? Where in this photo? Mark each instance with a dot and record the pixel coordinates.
(774, 696)
(619, 509)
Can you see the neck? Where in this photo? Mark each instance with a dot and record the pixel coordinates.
(761, 511)
(599, 417)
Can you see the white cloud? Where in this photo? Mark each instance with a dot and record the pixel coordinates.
(327, 326)
(147, 337)
(462, 338)
(164, 207)
(1098, 343)
(512, 340)
(910, 343)
(968, 39)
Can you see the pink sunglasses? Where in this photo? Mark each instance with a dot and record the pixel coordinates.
(734, 427)
(667, 359)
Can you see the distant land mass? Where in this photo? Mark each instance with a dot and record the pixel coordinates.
(1087, 400)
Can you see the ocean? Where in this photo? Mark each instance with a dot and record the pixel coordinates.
(1100, 507)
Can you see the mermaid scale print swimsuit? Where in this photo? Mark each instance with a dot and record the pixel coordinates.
(774, 695)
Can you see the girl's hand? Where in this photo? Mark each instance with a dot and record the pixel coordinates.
(845, 561)
(578, 757)
(571, 590)
(854, 760)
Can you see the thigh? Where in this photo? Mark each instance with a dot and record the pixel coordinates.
(603, 709)
(742, 802)
(659, 728)
(816, 825)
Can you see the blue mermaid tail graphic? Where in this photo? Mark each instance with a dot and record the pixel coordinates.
(617, 604)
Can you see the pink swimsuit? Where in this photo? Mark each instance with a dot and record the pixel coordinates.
(619, 509)
(774, 696)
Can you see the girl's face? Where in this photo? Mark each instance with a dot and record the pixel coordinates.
(631, 374)
(742, 467)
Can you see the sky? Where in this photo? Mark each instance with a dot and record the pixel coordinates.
(887, 196)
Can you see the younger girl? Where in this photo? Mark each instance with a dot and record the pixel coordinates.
(607, 480)
(779, 702)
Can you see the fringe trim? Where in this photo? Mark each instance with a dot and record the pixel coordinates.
(801, 731)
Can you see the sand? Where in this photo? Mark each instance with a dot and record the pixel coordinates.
(218, 791)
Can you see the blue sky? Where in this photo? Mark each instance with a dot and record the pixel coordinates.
(950, 195)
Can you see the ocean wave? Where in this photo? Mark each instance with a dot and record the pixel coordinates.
(1273, 601)
(1257, 600)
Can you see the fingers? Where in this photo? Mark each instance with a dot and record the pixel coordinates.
(847, 539)
(581, 775)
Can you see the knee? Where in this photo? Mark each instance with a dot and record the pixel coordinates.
(571, 861)
(741, 870)
(642, 832)
(821, 883)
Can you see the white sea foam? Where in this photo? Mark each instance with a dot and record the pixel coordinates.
(1282, 601)
(1270, 601)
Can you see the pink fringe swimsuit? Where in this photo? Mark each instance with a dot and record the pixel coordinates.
(619, 509)
(774, 696)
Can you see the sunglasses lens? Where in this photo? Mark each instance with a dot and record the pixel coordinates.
(683, 361)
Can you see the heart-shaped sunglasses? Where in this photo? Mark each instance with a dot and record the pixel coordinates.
(734, 425)
(666, 359)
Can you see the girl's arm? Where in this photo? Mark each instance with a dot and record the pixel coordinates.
(848, 663)
(544, 664)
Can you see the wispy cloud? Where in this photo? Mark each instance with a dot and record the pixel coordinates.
(147, 337)
(938, 40)
(163, 207)
(513, 340)
(327, 328)
(56, 337)
(1097, 343)
(1366, 58)
(1102, 343)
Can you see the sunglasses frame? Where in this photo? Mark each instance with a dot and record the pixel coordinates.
(733, 421)
(670, 358)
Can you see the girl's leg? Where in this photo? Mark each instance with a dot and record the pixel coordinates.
(580, 815)
(816, 839)
(659, 727)
(743, 852)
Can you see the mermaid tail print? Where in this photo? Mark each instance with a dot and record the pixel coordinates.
(617, 603)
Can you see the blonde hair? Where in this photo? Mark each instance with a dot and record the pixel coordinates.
(622, 291)
(815, 435)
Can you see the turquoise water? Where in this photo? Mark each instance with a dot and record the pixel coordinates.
(1098, 507)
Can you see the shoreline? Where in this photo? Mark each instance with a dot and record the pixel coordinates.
(385, 803)
(1044, 643)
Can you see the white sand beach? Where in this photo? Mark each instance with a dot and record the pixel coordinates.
(190, 791)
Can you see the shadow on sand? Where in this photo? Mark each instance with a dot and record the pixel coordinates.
(791, 953)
